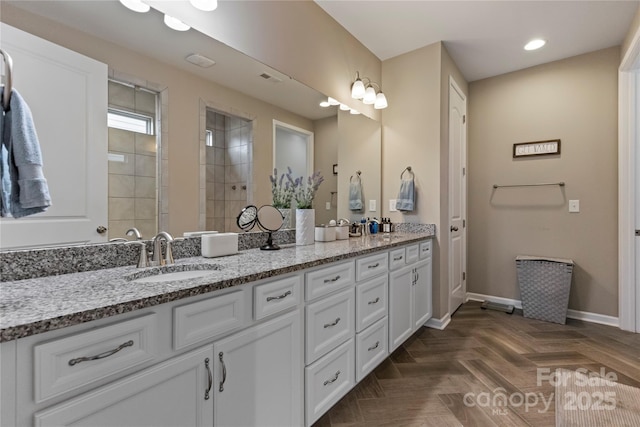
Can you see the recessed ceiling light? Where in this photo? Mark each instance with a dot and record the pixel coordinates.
(136, 5)
(535, 44)
(325, 104)
(175, 23)
(205, 5)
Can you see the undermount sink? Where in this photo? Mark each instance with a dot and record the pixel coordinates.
(172, 273)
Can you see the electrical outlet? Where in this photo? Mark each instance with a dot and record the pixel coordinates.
(574, 206)
(392, 205)
(372, 205)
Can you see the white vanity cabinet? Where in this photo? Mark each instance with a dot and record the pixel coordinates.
(258, 375)
(172, 393)
(410, 296)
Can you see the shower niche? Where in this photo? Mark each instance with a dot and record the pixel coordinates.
(228, 148)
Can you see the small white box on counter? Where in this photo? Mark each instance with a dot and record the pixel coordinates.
(325, 233)
(219, 244)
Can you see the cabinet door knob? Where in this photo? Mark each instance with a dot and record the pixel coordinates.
(224, 371)
(77, 360)
(328, 325)
(286, 294)
(332, 380)
(210, 376)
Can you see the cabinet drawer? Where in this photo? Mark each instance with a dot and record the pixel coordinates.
(371, 301)
(328, 279)
(371, 348)
(77, 360)
(276, 296)
(327, 380)
(425, 249)
(330, 322)
(396, 258)
(202, 320)
(412, 254)
(372, 266)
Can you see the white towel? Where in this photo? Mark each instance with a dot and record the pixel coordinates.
(24, 187)
(355, 195)
(406, 196)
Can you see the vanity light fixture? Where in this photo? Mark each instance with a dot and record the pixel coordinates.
(204, 5)
(344, 107)
(535, 44)
(136, 5)
(330, 102)
(368, 93)
(175, 23)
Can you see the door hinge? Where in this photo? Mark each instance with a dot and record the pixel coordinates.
(464, 119)
(464, 276)
(464, 171)
(464, 223)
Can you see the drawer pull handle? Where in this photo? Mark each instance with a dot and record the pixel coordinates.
(398, 258)
(335, 279)
(224, 372)
(328, 325)
(75, 361)
(286, 294)
(210, 376)
(375, 301)
(332, 380)
(374, 347)
(377, 264)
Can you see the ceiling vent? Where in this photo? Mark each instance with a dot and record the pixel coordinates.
(200, 60)
(269, 77)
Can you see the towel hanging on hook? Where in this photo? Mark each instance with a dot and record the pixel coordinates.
(8, 86)
(406, 196)
(355, 192)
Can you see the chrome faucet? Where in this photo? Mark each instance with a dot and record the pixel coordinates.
(157, 249)
(134, 232)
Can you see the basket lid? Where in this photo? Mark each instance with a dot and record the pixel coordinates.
(539, 258)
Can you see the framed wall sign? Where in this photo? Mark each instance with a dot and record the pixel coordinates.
(536, 148)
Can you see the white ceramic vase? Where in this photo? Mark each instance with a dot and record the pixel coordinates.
(305, 226)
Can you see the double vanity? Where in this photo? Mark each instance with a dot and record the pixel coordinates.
(265, 338)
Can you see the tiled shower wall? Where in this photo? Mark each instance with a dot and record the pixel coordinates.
(228, 169)
(133, 180)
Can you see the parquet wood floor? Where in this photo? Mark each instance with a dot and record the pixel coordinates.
(482, 354)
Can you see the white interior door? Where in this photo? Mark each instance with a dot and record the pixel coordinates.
(67, 95)
(457, 195)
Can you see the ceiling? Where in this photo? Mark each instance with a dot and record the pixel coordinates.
(485, 38)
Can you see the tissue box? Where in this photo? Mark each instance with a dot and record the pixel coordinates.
(325, 233)
(219, 244)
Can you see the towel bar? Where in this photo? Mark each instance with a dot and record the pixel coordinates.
(561, 184)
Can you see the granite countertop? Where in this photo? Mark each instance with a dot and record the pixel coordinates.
(33, 306)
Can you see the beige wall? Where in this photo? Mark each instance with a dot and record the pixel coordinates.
(184, 92)
(574, 100)
(325, 155)
(415, 133)
(297, 38)
(633, 30)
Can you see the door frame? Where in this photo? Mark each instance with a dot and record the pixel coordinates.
(628, 133)
(309, 135)
(454, 86)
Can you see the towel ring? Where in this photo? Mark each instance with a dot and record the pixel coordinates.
(8, 87)
(358, 173)
(407, 169)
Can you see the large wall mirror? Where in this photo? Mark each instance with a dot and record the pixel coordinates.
(222, 115)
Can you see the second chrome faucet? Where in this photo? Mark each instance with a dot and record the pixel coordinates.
(156, 257)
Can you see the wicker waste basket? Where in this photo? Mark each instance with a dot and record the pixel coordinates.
(544, 287)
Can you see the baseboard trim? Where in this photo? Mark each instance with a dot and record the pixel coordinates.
(571, 314)
(438, 323)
